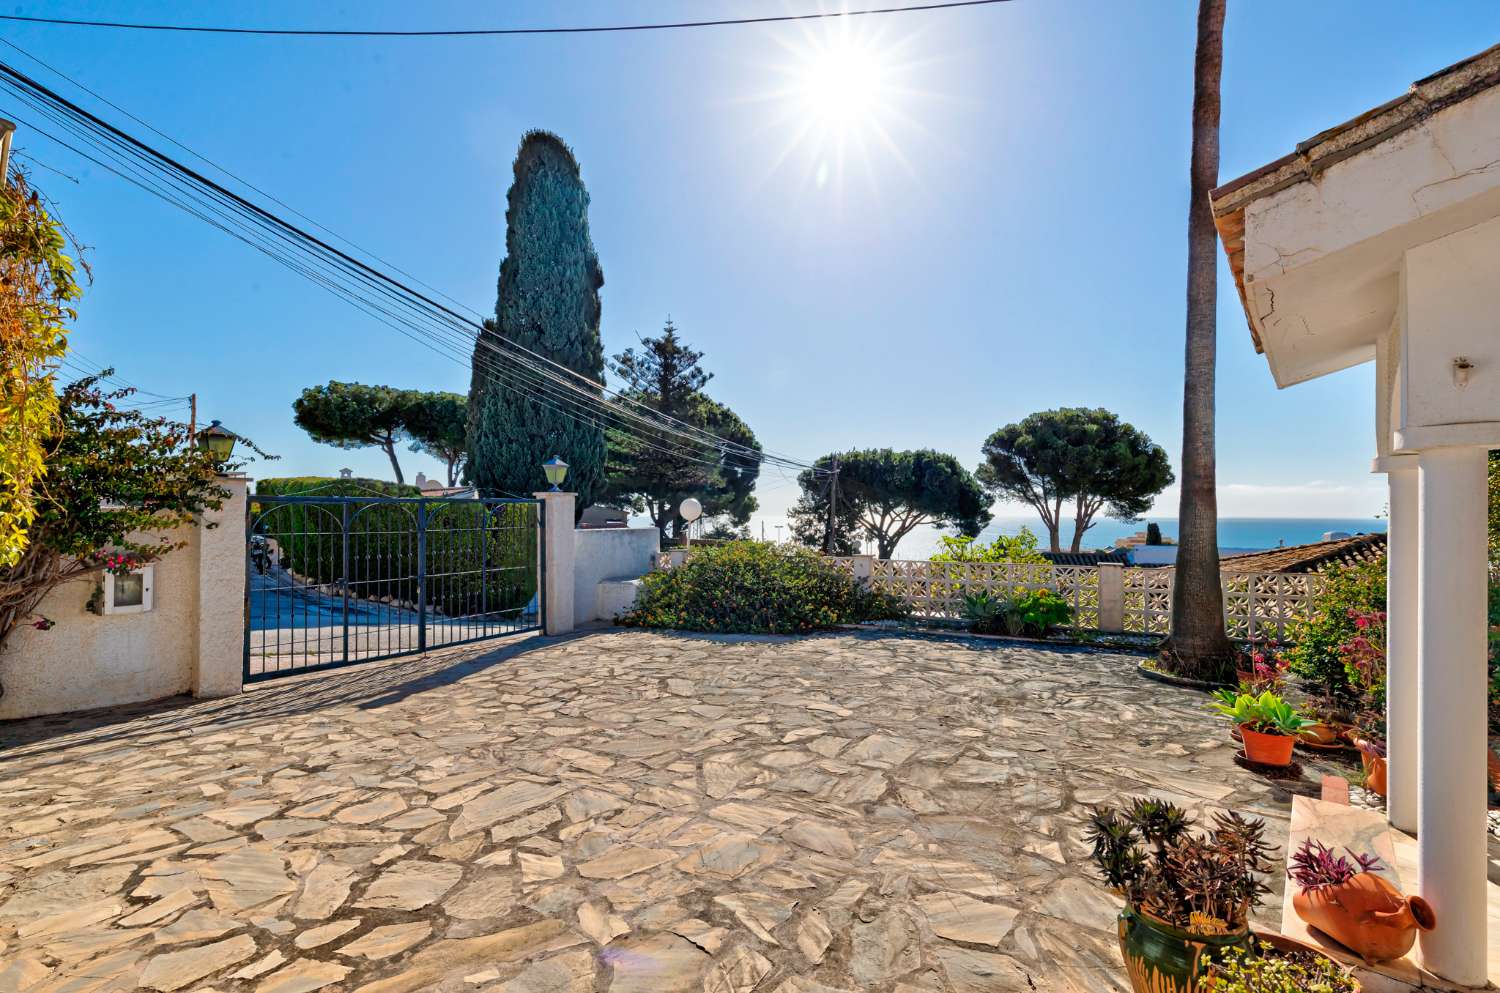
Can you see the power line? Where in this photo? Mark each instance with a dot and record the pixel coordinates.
(393, 303)
(494, 32)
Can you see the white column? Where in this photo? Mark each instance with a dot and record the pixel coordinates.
(1401, 710)
(1451, 796)
(557, 577)
(219, 662)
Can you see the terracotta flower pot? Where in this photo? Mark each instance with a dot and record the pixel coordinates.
(1267, 749)
(1367, 915)
(1374, 768)
(1319, 734)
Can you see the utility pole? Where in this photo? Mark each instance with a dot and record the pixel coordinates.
(7, 131)
(192, 417)
(833, 503)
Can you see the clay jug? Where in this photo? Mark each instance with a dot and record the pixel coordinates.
(1367, 915)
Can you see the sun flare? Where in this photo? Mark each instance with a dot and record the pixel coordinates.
(844, 83)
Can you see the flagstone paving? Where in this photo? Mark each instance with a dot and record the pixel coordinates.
(623, 811)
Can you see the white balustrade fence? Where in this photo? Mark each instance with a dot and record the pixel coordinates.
(1115, 599)
(1258, 606)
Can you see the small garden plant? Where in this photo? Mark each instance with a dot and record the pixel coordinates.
(751, 587)
(1318, 640)
(1205, 883)
(1029, 612)
(1265, 712)
(1266, 969)
(1315, 865)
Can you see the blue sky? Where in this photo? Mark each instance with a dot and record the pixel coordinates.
(1006, 232)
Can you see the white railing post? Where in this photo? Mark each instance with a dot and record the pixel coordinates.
(862, 568)
(219, 662)
(557, 580)
(1111, 597)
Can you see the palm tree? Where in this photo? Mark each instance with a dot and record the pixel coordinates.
(1198, 645)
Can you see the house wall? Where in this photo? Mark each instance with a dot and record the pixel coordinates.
(190, 641)
(607, 554)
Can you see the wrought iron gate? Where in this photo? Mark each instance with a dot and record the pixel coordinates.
(336, 580)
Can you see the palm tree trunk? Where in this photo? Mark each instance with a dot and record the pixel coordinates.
(1198, 645)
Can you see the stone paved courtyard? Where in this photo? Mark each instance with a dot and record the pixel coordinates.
(621, 811)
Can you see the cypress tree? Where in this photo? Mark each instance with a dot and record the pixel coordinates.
(549, 303)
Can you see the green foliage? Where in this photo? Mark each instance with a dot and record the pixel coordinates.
(1026, 613)
(1020, 547)
(383, 547)
(1494, 643)
(438, 426)
(37, 286)
(1317, 637)
(1205, 883)
(1090, 457)
(653, 472)
(1264, 969)
(118, 483)
(1153, 534)
(353, 415)
(1265, 712)
(751, 587)
(549, 303)
(1494, 493)
(883, 495)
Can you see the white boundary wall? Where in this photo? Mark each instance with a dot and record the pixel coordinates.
(190, 641)
(604, 555)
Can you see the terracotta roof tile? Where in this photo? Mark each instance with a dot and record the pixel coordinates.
(1313, 557)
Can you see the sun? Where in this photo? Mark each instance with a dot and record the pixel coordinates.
(844, 83)
(841, 104)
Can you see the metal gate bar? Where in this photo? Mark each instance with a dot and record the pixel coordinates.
(338, 580)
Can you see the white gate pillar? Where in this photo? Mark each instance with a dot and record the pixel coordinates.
(1401, 686)
(557, 559)
(1451, 663)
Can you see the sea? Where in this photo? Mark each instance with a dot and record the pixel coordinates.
(1238, 533)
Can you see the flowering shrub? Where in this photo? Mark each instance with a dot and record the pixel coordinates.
(119, 563)
(1031, 612)
(1268, 668)
(1364, 656)
(751, 587)
(1020, 547)
(1317, 639)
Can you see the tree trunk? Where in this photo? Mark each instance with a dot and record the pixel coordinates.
(390, 450)
(452, 466)
(885, 545)
(1198, 645)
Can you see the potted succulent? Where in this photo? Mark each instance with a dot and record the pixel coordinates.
(1342, 896)
(1188, 894)
(1273, 964)
(1268, 725)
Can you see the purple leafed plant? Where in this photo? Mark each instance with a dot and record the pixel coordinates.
(1315, 865)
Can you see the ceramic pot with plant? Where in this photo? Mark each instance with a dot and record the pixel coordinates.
(1188, 894)
(1268, 725)
(1342, 896)
(1369, 738)
(1274, 964)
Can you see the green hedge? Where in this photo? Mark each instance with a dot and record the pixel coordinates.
(750, 587)
(461, 535)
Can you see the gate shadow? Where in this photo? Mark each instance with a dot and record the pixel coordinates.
(370, 686)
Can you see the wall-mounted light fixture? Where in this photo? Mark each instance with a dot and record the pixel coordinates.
(1461, 369)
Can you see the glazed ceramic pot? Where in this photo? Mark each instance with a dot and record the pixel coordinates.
(1267, 749)
(1160, 958)
(1367, 915)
